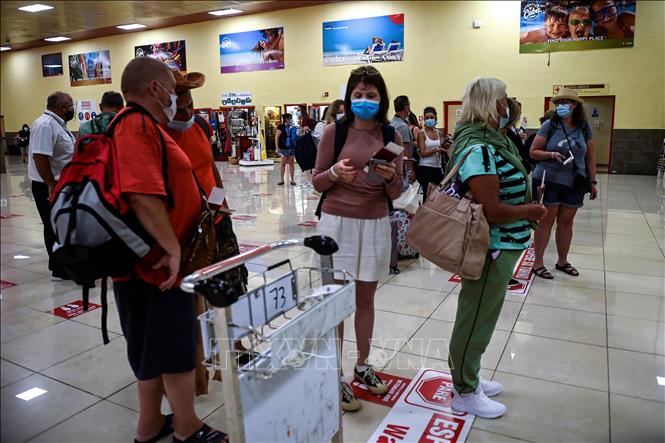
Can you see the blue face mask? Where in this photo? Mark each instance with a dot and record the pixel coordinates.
(430, 122)
(563, 110)
(181, 126)
(364, 109)
(503, 121)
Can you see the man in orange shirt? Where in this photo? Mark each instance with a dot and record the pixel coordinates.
(192, 133)
(157, 318)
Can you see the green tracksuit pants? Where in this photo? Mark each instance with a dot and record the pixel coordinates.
(478, 309)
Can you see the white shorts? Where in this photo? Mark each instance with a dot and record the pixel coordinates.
(364, 245)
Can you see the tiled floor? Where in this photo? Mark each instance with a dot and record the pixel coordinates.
(581, 359)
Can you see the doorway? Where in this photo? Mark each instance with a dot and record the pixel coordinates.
(452, 112)
(318, 111)
(293, 108)
(599, 110)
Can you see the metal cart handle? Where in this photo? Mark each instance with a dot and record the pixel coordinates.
(321, 244)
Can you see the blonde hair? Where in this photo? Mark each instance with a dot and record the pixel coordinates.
(480, 99)
(332, 111)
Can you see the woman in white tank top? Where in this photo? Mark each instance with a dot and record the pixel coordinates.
(429, 146)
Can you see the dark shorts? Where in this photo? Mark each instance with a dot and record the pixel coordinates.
(160, 328)
(287, 152)
(556, 194)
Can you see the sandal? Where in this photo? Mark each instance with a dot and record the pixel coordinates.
(568, 269)
(204, 435)
(167, 428)
(394, 270)
(280, 184)
(542, 272)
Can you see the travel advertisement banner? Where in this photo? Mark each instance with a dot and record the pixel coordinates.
(252, 50)
(570, 25)
(91, 68)
(364, 40)
(172, 53)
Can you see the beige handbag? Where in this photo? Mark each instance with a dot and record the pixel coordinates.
(450, 232)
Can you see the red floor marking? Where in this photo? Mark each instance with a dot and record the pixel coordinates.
(243, 217)
(5, 216)
(73, 309)
(396, 387)
(4, 284)
(309, 224)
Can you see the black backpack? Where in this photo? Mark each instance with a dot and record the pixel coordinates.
(306, 152)
(341, 132)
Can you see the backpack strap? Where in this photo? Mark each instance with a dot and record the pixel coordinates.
(132, 108)
(203, 124)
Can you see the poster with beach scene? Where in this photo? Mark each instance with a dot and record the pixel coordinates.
(252, 50)
(364, 40)
(549, 26)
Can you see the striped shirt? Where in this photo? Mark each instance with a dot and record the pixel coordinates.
(485, 160)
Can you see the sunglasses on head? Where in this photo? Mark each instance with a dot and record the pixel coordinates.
(365, 70)
(576, 21)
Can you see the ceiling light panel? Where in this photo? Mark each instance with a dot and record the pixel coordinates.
(230, 11)
(35, 8)
(57, 39)
(5, 48)
(131, 27)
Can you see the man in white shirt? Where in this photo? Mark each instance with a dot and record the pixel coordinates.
(51, 148)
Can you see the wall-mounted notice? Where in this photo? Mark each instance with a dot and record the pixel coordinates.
(90, 68)
(172, 53)
(86, 110)
(549, 26)
(364, 40)
(236, 98)
(252, 50)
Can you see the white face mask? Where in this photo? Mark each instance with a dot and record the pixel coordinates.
(340, 116)
(181, 126)
(169, 111)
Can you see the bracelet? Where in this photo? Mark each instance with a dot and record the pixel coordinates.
(552, 155)
(332, 171)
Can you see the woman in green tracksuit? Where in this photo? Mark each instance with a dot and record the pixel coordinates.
(495, 175)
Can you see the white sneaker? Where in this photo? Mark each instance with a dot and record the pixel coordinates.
(477, 403)
(490, 388)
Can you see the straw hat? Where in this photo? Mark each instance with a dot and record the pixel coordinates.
(191, 80)
(567, 94)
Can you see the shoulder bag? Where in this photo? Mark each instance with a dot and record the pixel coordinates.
(451, 232)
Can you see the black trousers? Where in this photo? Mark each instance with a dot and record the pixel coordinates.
(40, 193)
(427, 175)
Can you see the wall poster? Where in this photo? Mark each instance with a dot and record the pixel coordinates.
(171, 53)
(52, 64)
(573, 25)
(91, 68)
(364, 40)
(252, 50)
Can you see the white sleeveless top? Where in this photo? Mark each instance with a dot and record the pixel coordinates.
(433, 161)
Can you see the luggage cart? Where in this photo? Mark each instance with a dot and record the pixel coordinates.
(285, 387)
